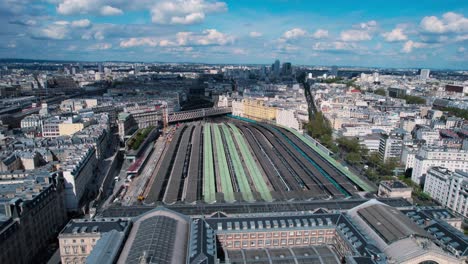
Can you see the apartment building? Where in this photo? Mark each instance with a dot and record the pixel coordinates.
(428, 157)
(258, 110)
(79, 169)
(32, 214)
(449, 188)
(80, 236)
(391, 146)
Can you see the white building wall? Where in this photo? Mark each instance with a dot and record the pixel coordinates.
(451, 159)
(287, 118)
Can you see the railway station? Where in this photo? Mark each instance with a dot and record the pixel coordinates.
(230, 160)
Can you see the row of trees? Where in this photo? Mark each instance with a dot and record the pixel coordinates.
(319, 128)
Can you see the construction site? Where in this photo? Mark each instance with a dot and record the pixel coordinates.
(229, 160)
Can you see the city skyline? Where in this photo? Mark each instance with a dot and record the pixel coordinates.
(403, 35)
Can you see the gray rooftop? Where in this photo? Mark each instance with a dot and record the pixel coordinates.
(389, 223)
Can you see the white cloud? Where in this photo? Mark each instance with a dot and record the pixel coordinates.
(370, 25)
(395, 35)
(410, 45)
(449, 23)
(213, 37)
(110, 11)
(355, 35)
(69, 7)
(361, 32)
(206, 38)
(461, 49)
(239, 51)
(255, 34)
(99, 35)
(184, 11)
(136, 42)
(24, 22)
(294, 33)
(335, 45)
(83, 23)
(320, 33)
(461, 38)
(100, 46)
(58, 30)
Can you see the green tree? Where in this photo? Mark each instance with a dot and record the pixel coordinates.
(380, 91)
(353, 158)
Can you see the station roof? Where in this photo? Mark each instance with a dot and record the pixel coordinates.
(389, 223)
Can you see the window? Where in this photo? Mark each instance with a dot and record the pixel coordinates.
(82, 240)
(83, 249)
(67, 250)
(283, 242)
(75, 249)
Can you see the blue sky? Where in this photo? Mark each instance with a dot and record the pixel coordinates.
(429, 33)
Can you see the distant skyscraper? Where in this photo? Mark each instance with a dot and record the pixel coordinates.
(286, 70)
(424, 74)
(334, 71)
(100, 68)
(136, 68)
(73, 70)
(275, 68)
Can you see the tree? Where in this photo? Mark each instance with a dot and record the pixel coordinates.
(353, 158)
(380, 91)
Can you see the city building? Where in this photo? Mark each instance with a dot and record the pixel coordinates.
(424, 75)
(427, 157)
(126, 125)
(79, 170)
(80, 236)
(258, 110)
(32, 211)
(159, 236)
(391, 146)
(395, 189)
(449, 188)
(372, 232)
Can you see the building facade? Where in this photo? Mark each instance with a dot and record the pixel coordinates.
(448, 188)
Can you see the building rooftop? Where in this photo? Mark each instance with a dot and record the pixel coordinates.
(159, 236)
(97, 225)
(394, 184)
(389, 223)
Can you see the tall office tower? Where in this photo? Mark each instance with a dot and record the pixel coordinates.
(286, 69)
(334, 71)
(80, 67)
(424, 75)
(275, 68)
(100, 68)
(73, 70)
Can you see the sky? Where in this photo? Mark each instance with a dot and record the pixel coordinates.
(372, 33)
